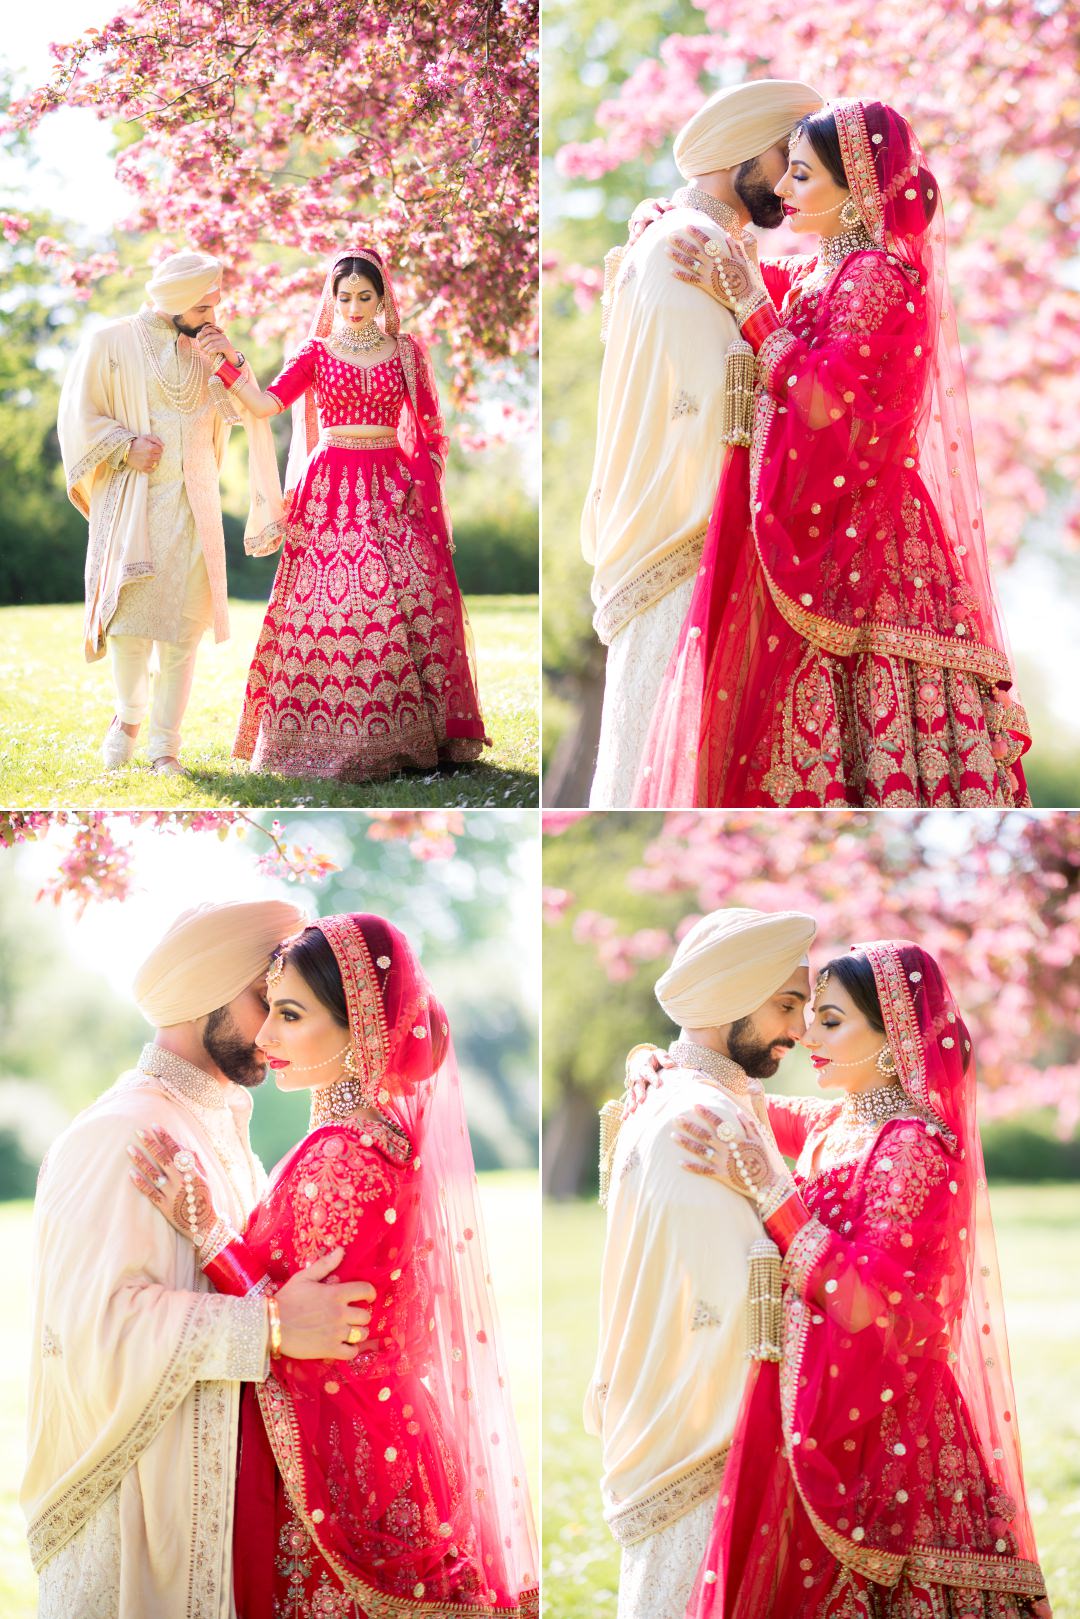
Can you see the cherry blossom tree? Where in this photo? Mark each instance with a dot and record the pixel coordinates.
(995, 898)
(992, 93)
(95, 858)
(270, 131)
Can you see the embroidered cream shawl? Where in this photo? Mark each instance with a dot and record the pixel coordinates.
(104, 402)
(123, 1329)
(659, 420)
(670, 1366)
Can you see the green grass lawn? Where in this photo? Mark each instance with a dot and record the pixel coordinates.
(54, 709)
(1037, 1231)
(511, 1204)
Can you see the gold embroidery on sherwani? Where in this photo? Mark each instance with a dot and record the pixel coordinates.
(184, 483)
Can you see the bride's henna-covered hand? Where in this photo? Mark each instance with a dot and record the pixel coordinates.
(645, 1066)
(719, 266)
(646, 213)
(711, 1153)
(158, 1177)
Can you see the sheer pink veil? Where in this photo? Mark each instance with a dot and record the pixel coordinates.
(305, 416)
(936, 1066)
(902, 207)
(405, 1057)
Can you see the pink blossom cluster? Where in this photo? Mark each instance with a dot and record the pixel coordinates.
(430, 834)
(996, 900)
(409, 129)
(991, 93)
(96, 855)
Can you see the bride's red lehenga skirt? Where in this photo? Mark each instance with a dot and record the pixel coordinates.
(363, 665)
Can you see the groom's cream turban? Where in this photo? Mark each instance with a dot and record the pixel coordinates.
(730, 963)
(209, 955)
(181, 280)
(741, 122)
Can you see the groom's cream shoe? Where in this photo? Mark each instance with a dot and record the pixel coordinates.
(167, 765)
(118, 748)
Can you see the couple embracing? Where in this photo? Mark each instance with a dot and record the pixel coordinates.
(364, 665)
(790, 565)
(802, 1388)
(253, 1398)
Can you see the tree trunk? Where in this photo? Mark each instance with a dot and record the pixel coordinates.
(571, 1146)
(569, 776)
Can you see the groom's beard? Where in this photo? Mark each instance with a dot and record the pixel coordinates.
(757, 195)
(745, 1047)
(226, 1046)
(188, 331)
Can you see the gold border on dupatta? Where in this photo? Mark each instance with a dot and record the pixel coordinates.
(858, 157)
(847, 640)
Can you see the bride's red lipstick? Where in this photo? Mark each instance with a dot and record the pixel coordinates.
(277, 1062)
(821, 1062)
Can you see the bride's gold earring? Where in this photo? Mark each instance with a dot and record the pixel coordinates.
(849, 214)
(886, 1063)
(350, 1065)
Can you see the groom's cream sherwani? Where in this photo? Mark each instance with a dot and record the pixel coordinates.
(659, 454)
(135, 1379)
(671, 1363)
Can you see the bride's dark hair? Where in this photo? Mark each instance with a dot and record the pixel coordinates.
(313, 957)
(854, 974)
(364, 267)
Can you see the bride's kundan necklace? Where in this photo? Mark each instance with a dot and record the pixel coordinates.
(364, 341)
(876, 1106)
(833, 250)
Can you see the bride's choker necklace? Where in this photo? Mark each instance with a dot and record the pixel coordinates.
(332, 1103)
(876, 1106)
(363, 341)
(833, 250)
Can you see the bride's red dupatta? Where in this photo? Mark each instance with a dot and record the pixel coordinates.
(402, 1469)
(883, 1451)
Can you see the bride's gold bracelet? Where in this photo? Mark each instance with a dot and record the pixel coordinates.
(274, 1317)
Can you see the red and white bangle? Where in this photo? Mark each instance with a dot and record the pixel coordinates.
(759, 324)
(228, 374)
(786, 1221)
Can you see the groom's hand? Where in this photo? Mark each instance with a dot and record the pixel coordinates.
(317, 1318)
(145, 452)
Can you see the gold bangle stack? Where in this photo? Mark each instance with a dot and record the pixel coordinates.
(274, 1315)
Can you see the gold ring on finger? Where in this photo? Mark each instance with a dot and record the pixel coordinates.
(356, 1335)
